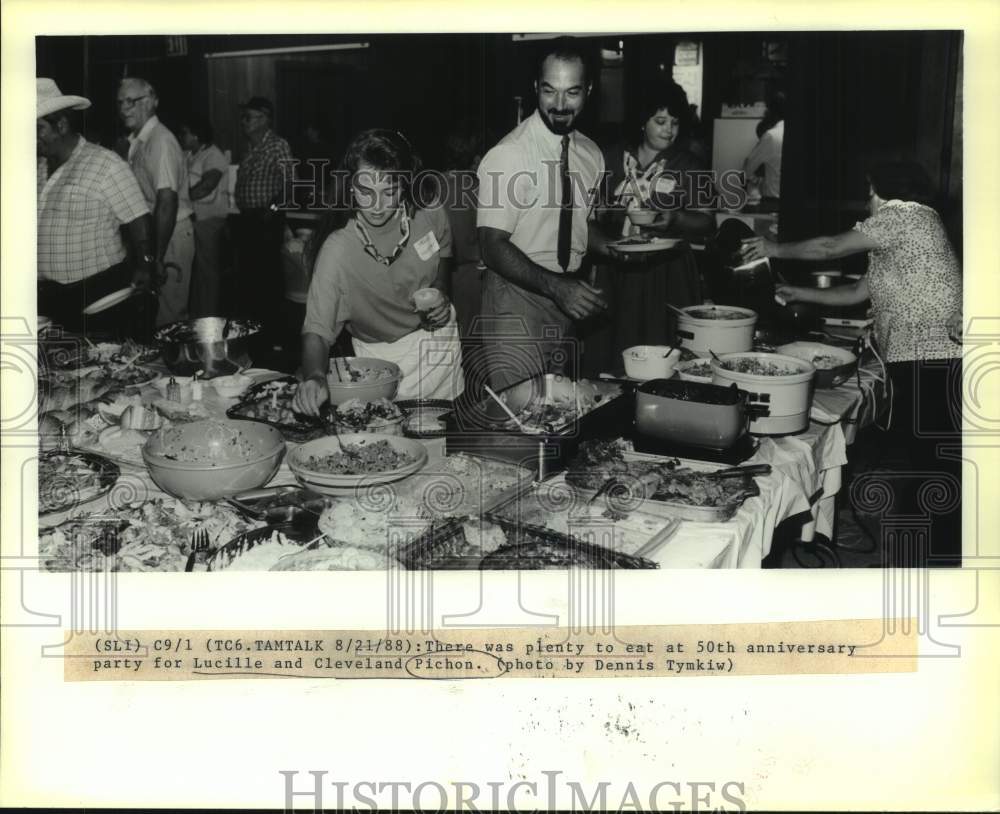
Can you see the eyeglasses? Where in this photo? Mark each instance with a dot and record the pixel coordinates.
(131, 101)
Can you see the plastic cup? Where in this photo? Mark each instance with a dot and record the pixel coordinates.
(427, 299)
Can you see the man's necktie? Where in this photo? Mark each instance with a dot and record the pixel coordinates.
(565, 208)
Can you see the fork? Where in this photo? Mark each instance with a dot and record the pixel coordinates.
(199, 543)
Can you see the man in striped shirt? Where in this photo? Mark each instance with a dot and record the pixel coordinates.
(86, 194)
(259, 229)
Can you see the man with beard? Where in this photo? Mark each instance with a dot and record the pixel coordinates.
(537, 188)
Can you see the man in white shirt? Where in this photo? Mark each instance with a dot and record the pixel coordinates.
(765, 158)
(158, 163)
(207, 170)
(536, 191)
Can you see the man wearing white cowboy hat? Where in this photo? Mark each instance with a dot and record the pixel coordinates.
(85, 195)
(158, 162)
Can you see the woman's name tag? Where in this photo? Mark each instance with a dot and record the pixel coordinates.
(427, 246)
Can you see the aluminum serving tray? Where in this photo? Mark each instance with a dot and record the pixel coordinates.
(555, 492)
(674, 509)
(479, 429)
(296, 433)
(430, 487)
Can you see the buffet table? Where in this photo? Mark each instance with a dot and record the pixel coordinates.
(805, 476)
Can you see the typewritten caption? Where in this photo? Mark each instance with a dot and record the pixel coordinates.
(846, 646)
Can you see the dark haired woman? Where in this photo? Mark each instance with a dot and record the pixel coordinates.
(658, 149)
(915, 286)
(373, 255)
(207, 175)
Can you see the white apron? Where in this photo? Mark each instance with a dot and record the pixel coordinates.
(431, 361)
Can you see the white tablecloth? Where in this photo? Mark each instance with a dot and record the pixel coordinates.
(804, 468)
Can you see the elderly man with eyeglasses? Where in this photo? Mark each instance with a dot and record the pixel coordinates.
(158, 162)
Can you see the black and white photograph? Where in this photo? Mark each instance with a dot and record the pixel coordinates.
(675, 300)
(417, 405)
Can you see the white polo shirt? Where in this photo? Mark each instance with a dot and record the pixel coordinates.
(158, 163)
(519, 190)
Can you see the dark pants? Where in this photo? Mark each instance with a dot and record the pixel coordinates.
(258, 287)
(209, 261)
(64, 304)
(925, 475)
(522, 335)
(637, 295)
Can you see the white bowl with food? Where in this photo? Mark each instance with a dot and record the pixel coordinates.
(695, 370)
(364, 378)
(355, 459)
(647, 362)
(231, 387)
(642, 216)
(834, 365)
(783, 385)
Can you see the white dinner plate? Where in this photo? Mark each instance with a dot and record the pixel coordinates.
(109, 301)
(657, 244)
(328, 445)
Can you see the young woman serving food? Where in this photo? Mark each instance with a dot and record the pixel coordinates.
(377, 259)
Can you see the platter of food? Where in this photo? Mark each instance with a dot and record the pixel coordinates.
(456, 546)
(551, 405)
(686, 489)
(64, 389)
(536, 552)
(271, 403)
(558, 512)
(488, 545)
(356, 459)
(641, 244)
(336, 558)
(151, 535)
(103, 353)
(378, 416)
(386, 526)
(463, 485)
(70, 478)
